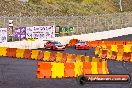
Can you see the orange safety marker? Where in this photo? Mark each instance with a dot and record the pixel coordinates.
(44, 70)
(40, 55)
(27, 54)
(52, 56)
(69, 69)
(99, 65)
(64, 57)
(87, 68)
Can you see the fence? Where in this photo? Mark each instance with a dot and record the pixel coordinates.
(82, 24)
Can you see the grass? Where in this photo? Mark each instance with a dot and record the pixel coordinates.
(61, 7)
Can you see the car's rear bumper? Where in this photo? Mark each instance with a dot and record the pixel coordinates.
(58, 49)
(82, 47)
(63, 48)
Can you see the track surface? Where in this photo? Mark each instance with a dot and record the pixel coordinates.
(15, 73)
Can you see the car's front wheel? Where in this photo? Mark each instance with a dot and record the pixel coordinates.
(75, 47)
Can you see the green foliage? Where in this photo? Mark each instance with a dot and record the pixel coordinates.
(62, 7)
(35, 1)
(89, 1)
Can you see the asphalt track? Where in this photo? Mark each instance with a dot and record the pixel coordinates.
(21, 73)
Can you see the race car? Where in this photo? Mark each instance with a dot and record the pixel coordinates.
(81, 45)
(54, 45)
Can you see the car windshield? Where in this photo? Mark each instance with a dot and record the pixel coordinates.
(58, 43)
(81, 42)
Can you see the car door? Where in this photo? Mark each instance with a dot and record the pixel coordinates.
(48, 44)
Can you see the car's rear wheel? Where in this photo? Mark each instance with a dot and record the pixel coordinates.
(44, 46)
(47, 47)
(51, 47)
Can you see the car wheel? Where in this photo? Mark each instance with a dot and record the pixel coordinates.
(48, 48)
(44, 47)
(75, 47)
(53, 48)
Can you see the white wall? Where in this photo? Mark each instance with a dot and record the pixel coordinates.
(65, 39)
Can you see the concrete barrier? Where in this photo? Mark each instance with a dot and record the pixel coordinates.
(65, 39)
